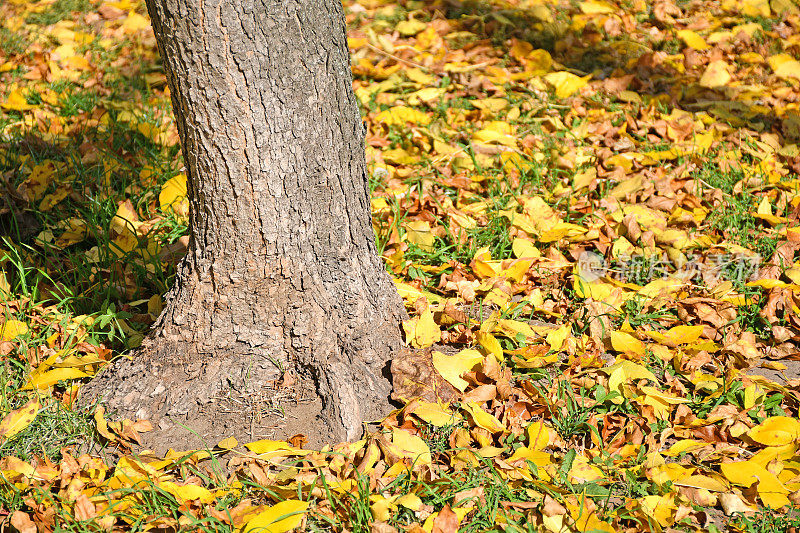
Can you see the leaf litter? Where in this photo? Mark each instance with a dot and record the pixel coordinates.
(590, 209)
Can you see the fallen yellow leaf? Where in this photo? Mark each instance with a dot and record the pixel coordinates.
(18, 419)
(49, 378)
(565, 83)
(483, 419)
(16, 102)
(693, 40)
(279, 518)
(626, 343)
(172, 197)
(423, 331)
(776, 431)
(11, 329)
(452, 367)
(717, 74)
(412, 447)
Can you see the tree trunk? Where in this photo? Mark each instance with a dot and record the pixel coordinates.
(282, 275)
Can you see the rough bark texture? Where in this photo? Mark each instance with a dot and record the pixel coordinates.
(282, 271)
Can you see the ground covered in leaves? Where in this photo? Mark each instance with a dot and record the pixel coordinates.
(592, 212)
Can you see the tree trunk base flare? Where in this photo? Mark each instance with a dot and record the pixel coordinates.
(282, 281)
(265, 361)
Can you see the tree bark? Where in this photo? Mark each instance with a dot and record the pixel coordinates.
(282, 272)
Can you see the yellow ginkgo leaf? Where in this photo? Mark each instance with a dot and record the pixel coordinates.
(565, 83)
(423, 331)
(717, 74)
(18, 419)
(11, 329)
(626, 343)
(776, 431)
(452, 367)
(16, 102)
(172, 197)
(411, 446)
(693, 40)
(482, 418)
(279, 518)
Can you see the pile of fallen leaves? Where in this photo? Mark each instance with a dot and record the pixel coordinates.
(592, 211)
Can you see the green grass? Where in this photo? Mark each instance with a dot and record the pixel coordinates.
(13, 43)
(96, 187)
(637, 313)
(767, 521)
(59, 424)
(55, 428)
(59, 282)
(733, 217)
(57, 11)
